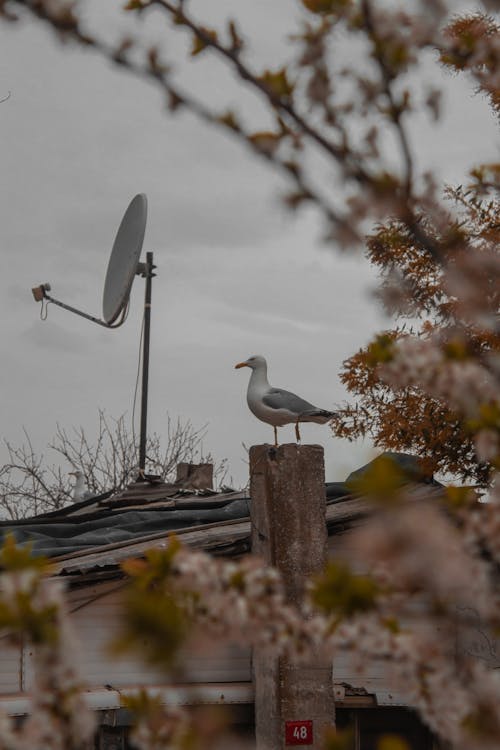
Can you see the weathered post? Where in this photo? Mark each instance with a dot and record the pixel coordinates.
(293, 701)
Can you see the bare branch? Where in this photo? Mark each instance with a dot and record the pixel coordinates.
(29, 486)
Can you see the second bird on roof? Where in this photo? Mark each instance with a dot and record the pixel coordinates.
(276, 406)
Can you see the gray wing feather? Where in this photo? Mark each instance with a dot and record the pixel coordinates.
(276, 398)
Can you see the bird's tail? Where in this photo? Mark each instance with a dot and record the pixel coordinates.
(320, 416)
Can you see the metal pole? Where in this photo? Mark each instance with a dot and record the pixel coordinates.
(145, 363)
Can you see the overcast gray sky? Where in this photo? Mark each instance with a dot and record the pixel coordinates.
(237, 274)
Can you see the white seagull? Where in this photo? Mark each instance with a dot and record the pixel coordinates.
(276, 406)
(80, 491)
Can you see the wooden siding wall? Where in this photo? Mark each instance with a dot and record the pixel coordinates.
(11, 668)
(96, 616)
(96, 613)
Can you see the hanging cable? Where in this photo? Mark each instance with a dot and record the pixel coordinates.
(44, 309)
(123, 317)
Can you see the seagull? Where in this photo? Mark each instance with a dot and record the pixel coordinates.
(80, 492)
(276, 406)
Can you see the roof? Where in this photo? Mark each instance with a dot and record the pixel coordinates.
(101, 531)
(226, 538)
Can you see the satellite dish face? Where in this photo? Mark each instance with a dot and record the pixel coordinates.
(124, 258)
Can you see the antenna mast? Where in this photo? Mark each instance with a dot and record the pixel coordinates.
(147, 272)
(123, 266)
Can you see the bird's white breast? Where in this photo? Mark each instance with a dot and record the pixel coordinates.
(276, 417)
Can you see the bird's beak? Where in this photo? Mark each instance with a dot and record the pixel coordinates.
(240, 364)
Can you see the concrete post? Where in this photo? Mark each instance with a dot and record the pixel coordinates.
(287, 487)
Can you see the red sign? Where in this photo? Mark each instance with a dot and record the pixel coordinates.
(298, 732)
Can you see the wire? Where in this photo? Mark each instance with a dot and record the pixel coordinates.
(123, 317)
(44, 310)
(139, 361)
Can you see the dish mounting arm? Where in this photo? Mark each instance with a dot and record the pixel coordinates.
(40, 293)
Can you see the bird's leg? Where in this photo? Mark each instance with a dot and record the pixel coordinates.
(297, 432)
(275, 435)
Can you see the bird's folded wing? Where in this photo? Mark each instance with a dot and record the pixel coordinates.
(276, 398)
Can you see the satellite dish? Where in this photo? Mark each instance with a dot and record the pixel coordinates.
(122, 267)
(124, 258)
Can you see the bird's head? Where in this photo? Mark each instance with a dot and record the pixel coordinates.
(253, 362)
